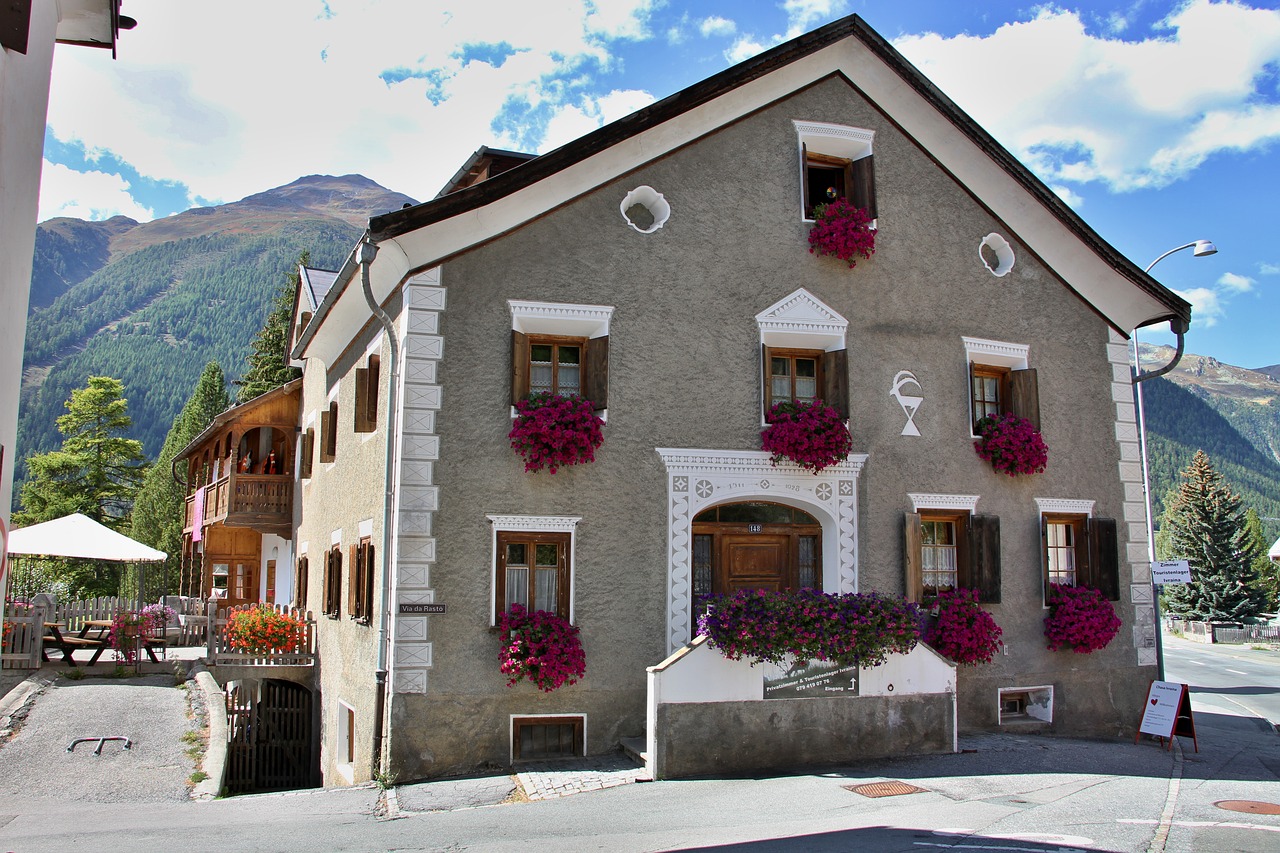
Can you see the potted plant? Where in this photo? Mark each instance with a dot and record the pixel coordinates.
(1079, 618)
(961, 630)
(552, 431)
(842, 230)
(127, 631)
(540, 646)
(1011, 444)
(263, 629)
(812, 435)
(761, 625)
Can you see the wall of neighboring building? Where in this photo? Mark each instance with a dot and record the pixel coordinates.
(340, 504)
(24, 103)
(684, 372)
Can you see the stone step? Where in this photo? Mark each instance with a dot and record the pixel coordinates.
(635, 747)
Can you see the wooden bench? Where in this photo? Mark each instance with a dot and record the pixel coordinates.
(68, 645)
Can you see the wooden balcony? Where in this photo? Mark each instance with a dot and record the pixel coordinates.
(246, 500)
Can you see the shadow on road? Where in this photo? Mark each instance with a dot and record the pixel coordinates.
(883, 839)
(1253, 690)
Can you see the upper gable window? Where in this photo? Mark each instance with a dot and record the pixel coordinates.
(1000, 382)
(836, 162)
(802, 342)
(561, 349)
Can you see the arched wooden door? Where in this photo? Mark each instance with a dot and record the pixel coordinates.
(755, 545)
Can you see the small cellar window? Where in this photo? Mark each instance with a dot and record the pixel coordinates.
(539, 738)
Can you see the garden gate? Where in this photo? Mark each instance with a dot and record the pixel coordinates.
(269, 737)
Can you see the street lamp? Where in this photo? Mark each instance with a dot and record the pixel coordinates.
(1200, 249)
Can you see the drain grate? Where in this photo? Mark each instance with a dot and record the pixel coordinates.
(1248, 806)
(884, 789)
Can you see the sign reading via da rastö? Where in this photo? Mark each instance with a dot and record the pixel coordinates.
(1175, 571)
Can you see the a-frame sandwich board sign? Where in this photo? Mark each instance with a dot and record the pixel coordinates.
(1167, 713)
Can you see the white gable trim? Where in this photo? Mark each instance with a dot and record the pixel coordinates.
(803, 321)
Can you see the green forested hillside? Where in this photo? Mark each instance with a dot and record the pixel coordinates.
(1180, 421)
(155, 317)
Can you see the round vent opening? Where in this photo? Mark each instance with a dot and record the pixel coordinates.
(645, 209)
(996, 254)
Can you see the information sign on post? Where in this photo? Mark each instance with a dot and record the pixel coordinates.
(1173, 571)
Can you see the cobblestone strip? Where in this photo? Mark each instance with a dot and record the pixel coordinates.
(549, 780)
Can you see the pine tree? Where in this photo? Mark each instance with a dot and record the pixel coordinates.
(1266, 574)
(1209, 530)
(160, 508)
(269, 357)
(96, 472)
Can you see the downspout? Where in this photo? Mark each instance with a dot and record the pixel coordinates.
(368, 251)
(1179, 328)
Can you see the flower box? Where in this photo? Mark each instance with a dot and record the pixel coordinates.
(812, 435)
(1011, 444)
(552, 431)
(843, 231)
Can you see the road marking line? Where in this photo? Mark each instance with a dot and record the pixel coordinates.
(1202, 823)
(1237, 672)
(1199, 663)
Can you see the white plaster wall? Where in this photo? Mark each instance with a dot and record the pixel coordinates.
(281, 550)
(24, 104)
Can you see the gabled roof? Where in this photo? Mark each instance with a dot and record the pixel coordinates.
(483, 165)
(227, 416)
(426, 234)
(315, 284)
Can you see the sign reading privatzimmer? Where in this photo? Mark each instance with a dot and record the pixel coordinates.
(416, 609)
(810, 679)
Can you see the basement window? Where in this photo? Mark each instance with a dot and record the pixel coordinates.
(1025, 705)
(540, 738)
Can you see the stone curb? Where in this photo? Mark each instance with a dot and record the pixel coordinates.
(215, 756)
(18, 696)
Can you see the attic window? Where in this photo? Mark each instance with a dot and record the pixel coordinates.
(836, 162)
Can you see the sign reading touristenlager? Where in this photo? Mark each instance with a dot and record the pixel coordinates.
(811, 678)
(1174, 571)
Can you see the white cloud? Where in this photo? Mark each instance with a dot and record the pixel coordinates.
(572, 122)
(1130, 114)
(1269, 269)
(211, 95)
(86, 195)
(1206, 305)
(1236, 283)
(717, 26)
(804, 15)
(747, 47)
(1073, 199)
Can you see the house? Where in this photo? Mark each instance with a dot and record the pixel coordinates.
(659, 267)
(237, 536)
(28, 31)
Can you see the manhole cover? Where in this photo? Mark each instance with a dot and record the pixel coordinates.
(1248, 806)
(884, 789)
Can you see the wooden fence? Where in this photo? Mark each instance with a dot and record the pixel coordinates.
(23, 637)
(220, 652)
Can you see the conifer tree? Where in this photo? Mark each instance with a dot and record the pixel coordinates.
(269, 357)
(160, 509)
(1266, 574)
(96, 472)
(1208, 529)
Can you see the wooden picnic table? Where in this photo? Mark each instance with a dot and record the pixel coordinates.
(68, 645)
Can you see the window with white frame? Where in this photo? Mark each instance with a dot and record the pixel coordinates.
(1077, 548)
(836, 162)
(803, 354)
(1000, 381)
(560, 348)
(533, 563)
(946, 545)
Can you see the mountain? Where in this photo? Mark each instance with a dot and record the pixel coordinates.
(1232, 413)
(150, 303)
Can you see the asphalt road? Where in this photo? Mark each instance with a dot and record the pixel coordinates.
(1227, 679)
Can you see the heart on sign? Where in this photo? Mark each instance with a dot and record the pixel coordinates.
(1154, 701)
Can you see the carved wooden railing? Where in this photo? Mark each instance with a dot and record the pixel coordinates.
(261, 495)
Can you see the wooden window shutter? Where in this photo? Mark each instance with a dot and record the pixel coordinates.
(766, 382)
(519, 367)
(327, 435)
(863, 185)
(1104, 557)
(353, 581)
(361, 421)
(835, 381)
(1044, 556)
(300, 585)
(15, 25)
(984, 557)
(596, 386)
(368, 582)
(371, 390)
(912, 543)
(1024, 395)
(308, 450)
(804, 181)
(327, 583)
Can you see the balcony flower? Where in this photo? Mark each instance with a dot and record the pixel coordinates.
(263, 630)
(1011, 444)
(812, 435)
(540, 646)
(842, 230)
(963, 631)
(552, 431)
(1081, 618)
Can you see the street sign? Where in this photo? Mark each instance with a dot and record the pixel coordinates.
(1173, 571)
(421, 608)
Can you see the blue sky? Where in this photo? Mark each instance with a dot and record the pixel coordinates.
(1158, 121)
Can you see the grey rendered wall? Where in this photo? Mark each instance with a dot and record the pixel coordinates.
(783, 733)
(684, 372)
(338, 497)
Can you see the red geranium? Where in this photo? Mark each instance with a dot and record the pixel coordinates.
(1081, 618)
(1012, 445)
(812, 435)
(551, 431)
(842, 230)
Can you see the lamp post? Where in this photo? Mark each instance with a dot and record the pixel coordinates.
(1200, 249)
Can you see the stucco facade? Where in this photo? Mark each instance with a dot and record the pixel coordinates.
(688, 309)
